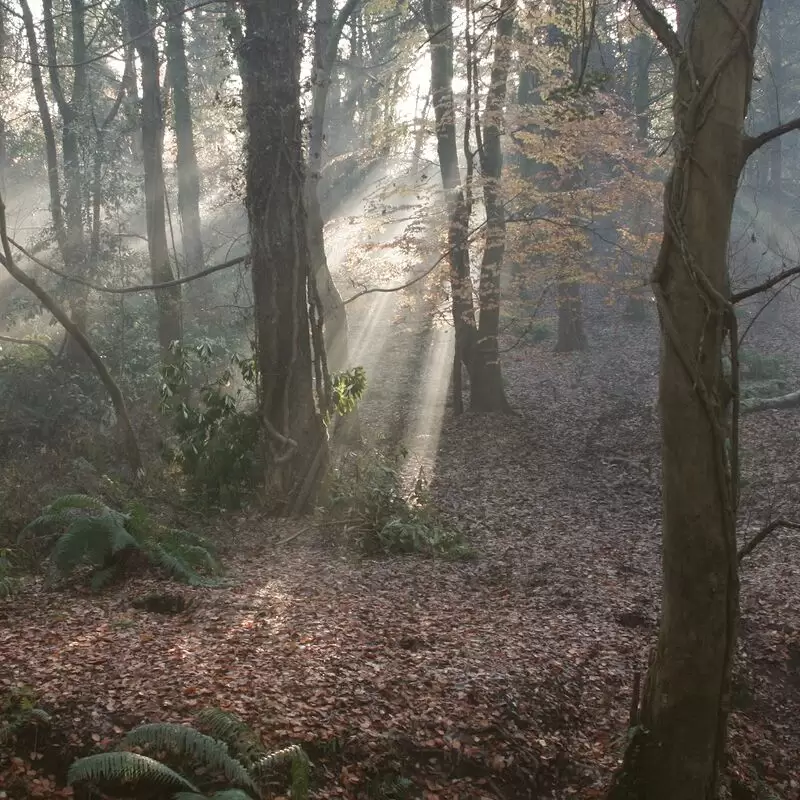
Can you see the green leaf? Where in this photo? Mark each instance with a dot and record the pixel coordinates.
(123, 767)
(185, 740)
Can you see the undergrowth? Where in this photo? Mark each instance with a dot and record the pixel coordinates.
(82, 531)
(19, 709)
(228, 763)
(366, 503)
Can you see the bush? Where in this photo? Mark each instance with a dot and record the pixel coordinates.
(760, 375)
(217, 437)
(8, 580)
(232, 755)
(19, 709)
(366, 500)
(88, 532)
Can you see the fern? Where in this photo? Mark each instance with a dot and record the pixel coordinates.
(184, 740)
(228, 728)
(92, 539)
(96, 534)
(283, 756)
(124, 767)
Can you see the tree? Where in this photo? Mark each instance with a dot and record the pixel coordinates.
(188, 170)
(677, 748)
(152, 119)
(283, 280)
(477, 350)
(327, 33)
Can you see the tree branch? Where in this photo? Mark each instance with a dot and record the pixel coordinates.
(145, 287)
(31, 342)
(661, 28)
(764, 532)
(753, 143)
(117, 399)
(737, 297)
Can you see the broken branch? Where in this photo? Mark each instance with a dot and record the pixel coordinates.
(764, 532)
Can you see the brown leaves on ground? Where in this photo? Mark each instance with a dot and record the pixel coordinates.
(507, 676)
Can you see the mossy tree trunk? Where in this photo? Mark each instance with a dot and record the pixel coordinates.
(295, 438)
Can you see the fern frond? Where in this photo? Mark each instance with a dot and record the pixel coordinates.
(103, 577)
(293, 753)
(228, 728)
(301, 776)
(92, 539)
(124, 767)
(176, 566)
(8, 586)
(184, 740)
(82, 501)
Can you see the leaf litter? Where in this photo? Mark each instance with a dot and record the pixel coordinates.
(506, 676)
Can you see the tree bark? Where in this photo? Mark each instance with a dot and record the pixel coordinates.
(678, 749)
(168, 300)
(327, 33)
(295, 440)
(487, 392)
(439, 27)
(188, 170)
(571, 336)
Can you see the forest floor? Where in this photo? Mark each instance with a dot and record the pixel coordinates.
(508, 675)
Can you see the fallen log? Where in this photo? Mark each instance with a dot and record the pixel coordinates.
(791, 400)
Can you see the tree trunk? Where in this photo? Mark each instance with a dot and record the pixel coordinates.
(439, 26)
(678, 749)
(73, 117)
(3, 75)
(296, 446)
(571, 336)
(777, 78)
(487, 392)
(168, 300)
(188, 170)
(327, 33)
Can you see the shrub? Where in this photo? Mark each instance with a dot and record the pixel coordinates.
(232, 755)
(88, 532)
(18, 710)
(217, 437)
(366, 499)
(8, 581)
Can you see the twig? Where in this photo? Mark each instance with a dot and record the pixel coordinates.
(764, 532)
(295, 535)
(31, 342)
(146, 287)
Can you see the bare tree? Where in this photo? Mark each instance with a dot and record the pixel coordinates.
(678, 746)
(169, 299)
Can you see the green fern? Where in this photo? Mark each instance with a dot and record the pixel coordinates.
(228, 728)
(97, 535)
(93, 539)
(186, 741)
(125, 767)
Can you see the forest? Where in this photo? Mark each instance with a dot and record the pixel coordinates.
(400, 399)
